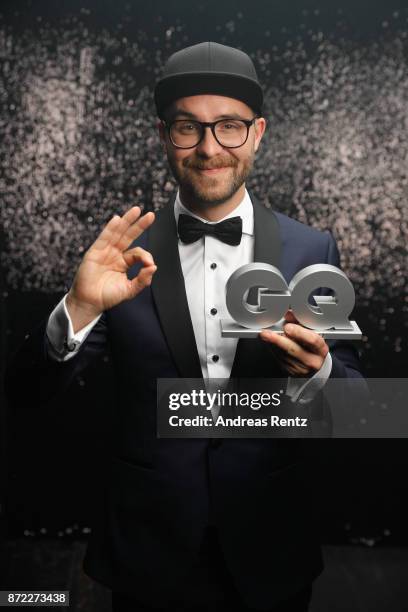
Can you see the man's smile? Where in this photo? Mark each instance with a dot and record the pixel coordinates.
(212, 170)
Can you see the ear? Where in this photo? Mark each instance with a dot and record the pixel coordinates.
(259, 126)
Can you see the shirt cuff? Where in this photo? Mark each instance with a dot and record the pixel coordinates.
(62, 342)
(303, 392)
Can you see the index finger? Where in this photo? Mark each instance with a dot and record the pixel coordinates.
(290, 317)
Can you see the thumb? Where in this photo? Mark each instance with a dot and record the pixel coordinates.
(290, 317)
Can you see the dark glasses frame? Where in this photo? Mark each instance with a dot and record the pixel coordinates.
(211, 125)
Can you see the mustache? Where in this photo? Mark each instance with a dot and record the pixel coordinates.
(200, 165)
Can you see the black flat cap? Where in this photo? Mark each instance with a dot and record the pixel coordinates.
(209, 68)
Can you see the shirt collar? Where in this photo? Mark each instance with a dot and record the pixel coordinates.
(244, 210)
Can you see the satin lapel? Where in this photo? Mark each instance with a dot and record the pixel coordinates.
(169, 293)
(268, 244)
(267, 249)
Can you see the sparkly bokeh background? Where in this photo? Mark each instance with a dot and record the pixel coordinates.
(78, 141)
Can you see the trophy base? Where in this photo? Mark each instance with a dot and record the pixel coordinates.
(229, 329)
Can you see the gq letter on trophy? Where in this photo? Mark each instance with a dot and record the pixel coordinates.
(328, 315)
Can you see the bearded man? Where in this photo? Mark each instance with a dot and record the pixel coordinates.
(194, 524)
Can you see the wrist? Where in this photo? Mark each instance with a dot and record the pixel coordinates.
(81, 313)
(80, 306)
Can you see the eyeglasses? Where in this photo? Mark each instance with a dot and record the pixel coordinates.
(188, 133)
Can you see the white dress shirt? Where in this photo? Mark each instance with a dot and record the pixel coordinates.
(206, 264)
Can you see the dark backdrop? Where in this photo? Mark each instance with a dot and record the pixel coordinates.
(78, 143)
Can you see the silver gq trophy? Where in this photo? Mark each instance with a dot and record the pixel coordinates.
(328, 315)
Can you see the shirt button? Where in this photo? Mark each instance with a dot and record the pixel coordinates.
(213, 266)
(215, 358)
(213, 311)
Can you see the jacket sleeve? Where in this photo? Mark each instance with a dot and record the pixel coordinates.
(32, 372)
(345, 355)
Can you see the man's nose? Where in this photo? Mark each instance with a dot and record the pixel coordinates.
(209, 145)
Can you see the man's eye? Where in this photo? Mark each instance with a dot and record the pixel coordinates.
(229, 126)
(187, 127)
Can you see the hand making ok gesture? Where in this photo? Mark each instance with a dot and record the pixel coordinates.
(101, 280)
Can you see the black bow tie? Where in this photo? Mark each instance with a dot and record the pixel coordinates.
(191, 229)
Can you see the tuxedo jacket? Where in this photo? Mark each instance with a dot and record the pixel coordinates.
(159, 494)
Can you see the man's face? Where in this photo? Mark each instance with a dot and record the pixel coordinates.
(210, 174)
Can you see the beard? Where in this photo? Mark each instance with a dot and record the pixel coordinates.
(205, 190)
